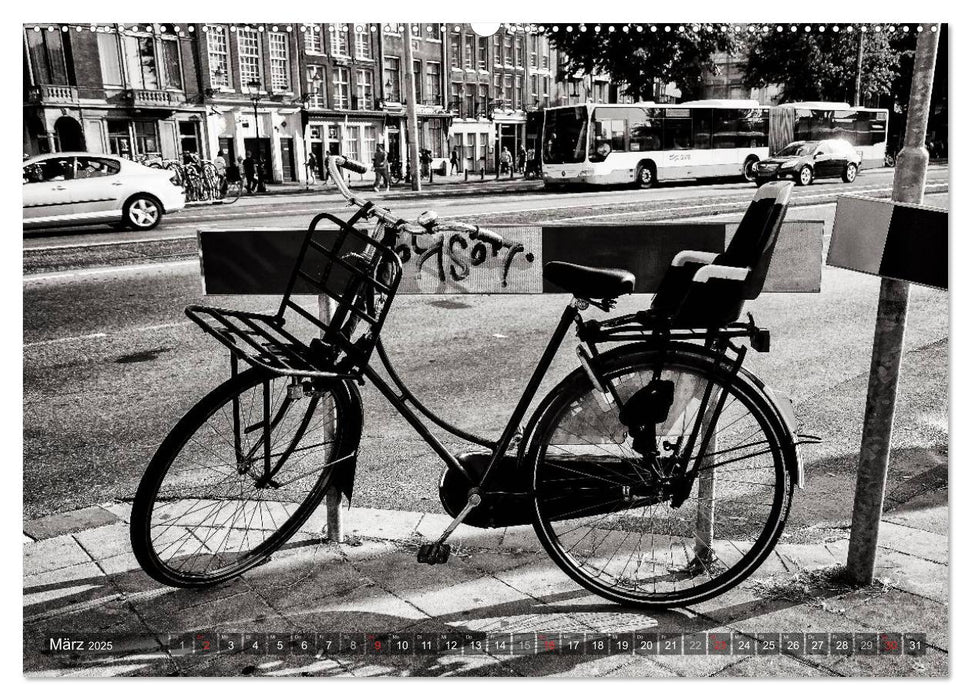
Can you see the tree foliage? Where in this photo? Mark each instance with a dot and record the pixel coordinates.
(638, 58)
(823, 65)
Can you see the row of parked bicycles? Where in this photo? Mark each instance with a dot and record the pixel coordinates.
(202, 179)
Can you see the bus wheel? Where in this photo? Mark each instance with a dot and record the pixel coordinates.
(748, 170)
(646, 176)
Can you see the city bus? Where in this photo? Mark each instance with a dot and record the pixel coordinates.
(865, 128)
(645, 143)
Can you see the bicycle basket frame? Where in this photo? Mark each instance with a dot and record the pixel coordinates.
(343, 264)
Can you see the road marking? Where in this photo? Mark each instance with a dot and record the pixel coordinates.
(95, 271)
(102, 244)
(98, 336)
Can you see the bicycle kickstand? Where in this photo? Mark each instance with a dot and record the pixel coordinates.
(437, 552)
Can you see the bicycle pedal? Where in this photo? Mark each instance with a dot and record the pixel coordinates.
(432, 554)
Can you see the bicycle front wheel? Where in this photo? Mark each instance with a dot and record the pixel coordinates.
(623, 519)
(238, 475)
(233, 191)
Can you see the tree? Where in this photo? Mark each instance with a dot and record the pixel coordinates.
(637, 58)
(814, 65)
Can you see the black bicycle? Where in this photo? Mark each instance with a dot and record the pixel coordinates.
(660, 472)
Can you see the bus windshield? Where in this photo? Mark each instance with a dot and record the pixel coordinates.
(565, 135)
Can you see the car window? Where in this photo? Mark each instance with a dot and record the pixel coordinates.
(49, 170)
(88, 166)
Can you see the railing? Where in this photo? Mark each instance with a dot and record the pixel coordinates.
(61, 94)
(152, 97)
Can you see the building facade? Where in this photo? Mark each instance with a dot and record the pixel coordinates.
(133, 93)
(285, 91)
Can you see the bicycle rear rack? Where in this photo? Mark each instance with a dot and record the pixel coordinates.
(342, 264)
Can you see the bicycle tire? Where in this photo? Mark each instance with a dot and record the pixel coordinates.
(234, 190)
(709, 571)
(157, 510)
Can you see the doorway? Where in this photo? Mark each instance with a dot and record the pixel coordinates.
(69, 135)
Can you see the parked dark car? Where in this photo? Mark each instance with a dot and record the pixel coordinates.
(804, 161)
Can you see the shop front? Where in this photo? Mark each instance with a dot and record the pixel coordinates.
(473, 140)
(353, 136)
(272, 133)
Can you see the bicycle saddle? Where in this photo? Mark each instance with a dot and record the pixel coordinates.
(589, 282)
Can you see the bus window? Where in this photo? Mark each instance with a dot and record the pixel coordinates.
(753, 129)
(645, 133)
(701, 126)
(610, 131)
(677, 134)
(565, 135)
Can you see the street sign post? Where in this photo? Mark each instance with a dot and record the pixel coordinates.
(908, 186)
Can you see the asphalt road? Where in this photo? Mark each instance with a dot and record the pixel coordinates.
(110, 361)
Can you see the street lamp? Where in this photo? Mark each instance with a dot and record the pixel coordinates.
(253, 87)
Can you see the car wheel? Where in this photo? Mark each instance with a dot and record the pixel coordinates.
(849, 175)
(142, 212)
(748, 170)
(645, 177)
(805, 176)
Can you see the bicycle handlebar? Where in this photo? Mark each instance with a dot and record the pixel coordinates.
(335, 163)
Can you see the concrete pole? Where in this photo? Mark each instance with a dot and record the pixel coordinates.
(908, 186)
(858, 87)
(411, 120)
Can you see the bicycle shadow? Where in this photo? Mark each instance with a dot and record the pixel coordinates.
(330, 593)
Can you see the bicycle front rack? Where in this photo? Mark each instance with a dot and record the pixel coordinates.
(345, 265)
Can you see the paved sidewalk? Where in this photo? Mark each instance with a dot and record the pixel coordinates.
(80, 576)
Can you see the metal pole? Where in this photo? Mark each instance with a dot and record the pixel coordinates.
(334, 531)
(411, 119)
(888, 337)
(859, 72)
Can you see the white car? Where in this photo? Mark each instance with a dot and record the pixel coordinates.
(62, 189)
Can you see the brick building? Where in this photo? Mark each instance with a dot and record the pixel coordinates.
(131, 93)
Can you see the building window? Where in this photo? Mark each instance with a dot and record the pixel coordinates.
(496, 49)
(250, 64)
(172, 63)
(533, 88)
(433, 83)
(110, 60)
(454, 50)
(362, 43)
(433, 32)
(416, 70)
(469, 100)
(141, 63)
(534, 51)
(436, 138)
(517, 95)
(189, 137)
(483, 52)
(392, 78)
(469, 55)
(342, 88)
(393, 29)
(455, 98)
(520, 50)
(119, 138)
(507, 56)
(47, 58)
(314, 39)
(316, 87)
(507, 90)
(351, 149)
(483, 100)
(279, 62)
(146, 137)
(339, 40)
(365, 89)
(218, 46)
(369, 142)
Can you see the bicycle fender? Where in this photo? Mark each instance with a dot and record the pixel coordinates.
(345, 466)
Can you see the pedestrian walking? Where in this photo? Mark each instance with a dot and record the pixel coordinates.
(522, 159)
(505, 160)
(311, 168)
(249, 172)
(453, 162)
(381, 168)
(260, 175)
(219, 163)
(425, 161)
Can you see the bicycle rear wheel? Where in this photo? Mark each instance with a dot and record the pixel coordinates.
(233, 191)
(626, 525)
(218, 498)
